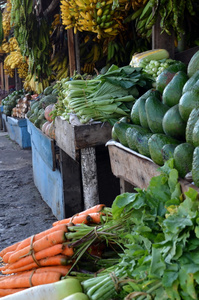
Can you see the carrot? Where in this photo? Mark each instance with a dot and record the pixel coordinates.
(51, 239)
(9, 249)
(27, 281)
(5, 292)
(40, 235)
(48, 261)
(48, 252)
(6, 256)
(93, 209)
(95, 217)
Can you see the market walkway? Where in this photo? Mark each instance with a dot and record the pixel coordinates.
(22, 210)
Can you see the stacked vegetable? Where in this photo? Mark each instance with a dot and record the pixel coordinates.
(10, 101)
(45, 257)
(106, 97)
(163, 121)
(147, 246)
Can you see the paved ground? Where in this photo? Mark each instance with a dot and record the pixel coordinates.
(22, 210)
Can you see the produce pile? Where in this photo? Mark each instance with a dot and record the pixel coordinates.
(163, 122)
(144, 246)
(40, 111)
(103, 18)
(107, 97)
(10, 101)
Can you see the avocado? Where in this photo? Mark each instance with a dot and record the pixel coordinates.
(193, 117)
(113, 133)
(168, 151)
(189, 101)
(173, 91)
(183, 158)
(135, 109)
(48, 90)
(193, 64)
(120, 131)
(141, 141)
(190, 82)
(131, 135)
(195, 166)
(195, 134)
(156, 143)
(166, 76)
(155, 111)
(173, 124)
(142, 114)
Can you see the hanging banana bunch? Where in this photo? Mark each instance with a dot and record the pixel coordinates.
(59, 66)
(16, 61)
(6, 16)
(105, 18)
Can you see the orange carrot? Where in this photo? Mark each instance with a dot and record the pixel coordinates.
(93, 209)
(48, 261)
(95, 217)
(6, 292)
(26, 280)
(48, 252)
(9, 249)
(6, 256)
(51, 239)
(40, 235)
(26, 242)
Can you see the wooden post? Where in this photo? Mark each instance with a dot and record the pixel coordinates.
(89, 177)
(162, 40)
(71, 51)
(77, 53)
(2, 78)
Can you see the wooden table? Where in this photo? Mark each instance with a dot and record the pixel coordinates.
(79, 143)
(135, 169)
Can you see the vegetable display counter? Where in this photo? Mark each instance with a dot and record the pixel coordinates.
(84, 147)
(47, 177)
(135, 170)
(17, 130)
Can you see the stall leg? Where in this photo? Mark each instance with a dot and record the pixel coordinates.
(89, 177)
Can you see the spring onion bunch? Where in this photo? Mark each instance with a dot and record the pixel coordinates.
(107, 97)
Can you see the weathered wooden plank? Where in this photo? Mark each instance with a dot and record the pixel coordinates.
(89, 177)
(72, 184)
(71, 51)
(135, 170)
(71, 138)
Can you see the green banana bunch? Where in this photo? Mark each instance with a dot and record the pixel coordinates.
(172, 14)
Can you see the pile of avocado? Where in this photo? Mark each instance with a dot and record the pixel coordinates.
(37, 107)
(11, 100)
(164, 121)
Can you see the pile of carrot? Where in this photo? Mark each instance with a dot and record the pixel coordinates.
(44, 257)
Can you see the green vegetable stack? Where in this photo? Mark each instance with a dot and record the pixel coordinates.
(164, 120)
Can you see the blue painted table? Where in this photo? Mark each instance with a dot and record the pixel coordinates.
(17, 130)
(47, 177)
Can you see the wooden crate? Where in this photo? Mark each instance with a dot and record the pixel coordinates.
(136, 170)
(72, 138)
(83, 143)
